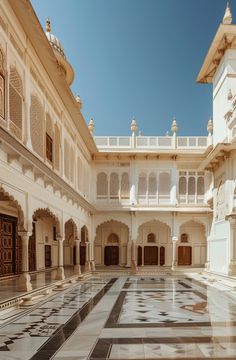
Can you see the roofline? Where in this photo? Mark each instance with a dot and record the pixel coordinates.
(36, 35)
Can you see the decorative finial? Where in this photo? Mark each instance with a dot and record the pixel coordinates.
(91, 126)
(78, 100)
(48, 25)
(140, 133)
(174, 126)
(230, 95)
(210, 126)
(133, 126)
(227, 19)
(167, 134)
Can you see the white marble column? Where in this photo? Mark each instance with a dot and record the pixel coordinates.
(129, 256)
(92, 262)
(134, 267)
(142, 255)
(232, 264)
(77, 267)
(174, 253)
(60, 269)
(24, 283)
(87, 258)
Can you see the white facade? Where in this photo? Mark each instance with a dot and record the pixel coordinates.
(68, 198)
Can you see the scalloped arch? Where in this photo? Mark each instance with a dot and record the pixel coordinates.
(21, 217)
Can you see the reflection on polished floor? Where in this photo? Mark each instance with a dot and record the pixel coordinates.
(126, 317)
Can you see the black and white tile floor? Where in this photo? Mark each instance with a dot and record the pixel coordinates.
(163, 317)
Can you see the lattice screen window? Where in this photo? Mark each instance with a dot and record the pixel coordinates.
(142, 185)
(71, 161)
(182, 185)
(102, 185)
(164, 183)
(49, 148)
(191, 186)
(124, 192)
(57, 147)
(114, 186)
(151, 238)
(152, 185)
(66, 159)
(80, 173)
(2, 86)
(15, 102)
(37, 125)
(200, 186)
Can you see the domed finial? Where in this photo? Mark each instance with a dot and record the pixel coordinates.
(48, 25)
(133, 126)
(210, 126)
(78, 100)
(174, 126)
(230, 95)
(167, 134)
(91, 126)
(227, 19)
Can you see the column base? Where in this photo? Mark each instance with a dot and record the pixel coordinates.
(207, 266)
(134, 267)
(232, 268)
(174, 265)
(87, 267)
(24, 283)
(92, 265)
(77, 269)
(60, 273)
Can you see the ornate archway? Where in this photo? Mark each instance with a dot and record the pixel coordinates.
(69, 247)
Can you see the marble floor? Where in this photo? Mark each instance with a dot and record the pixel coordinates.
(125, 317)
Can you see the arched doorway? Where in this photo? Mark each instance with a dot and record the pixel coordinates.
(11, 221)
(111, 250)
(83, 242)
(69, 253)
(110, 246)
(154, 242)
(43, 249)
(192, 244)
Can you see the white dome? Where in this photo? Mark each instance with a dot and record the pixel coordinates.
(55, 43)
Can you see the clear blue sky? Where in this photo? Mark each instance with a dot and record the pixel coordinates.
(138, 58)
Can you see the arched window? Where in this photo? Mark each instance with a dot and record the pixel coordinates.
(114, 186)
(15, 102)
(200, 186)
(142, 185)
(36, 125)
(191, 186)
(66, 159)
(152, 185)
(113, 239)
(151, 238)
(2, 85)
(164, 183)
(49, 138)
(124, 192)
(57, 147)
(182, 185)
(184, 238)
(102, 185)
(84, 234)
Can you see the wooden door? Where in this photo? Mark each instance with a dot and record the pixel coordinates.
(47, 256)
(162, 255)
(8, 257)
(82, 254)
(139, 255)
(184, 255)
(150, 255)
(74, 255)
(32, 250)
(111, 255)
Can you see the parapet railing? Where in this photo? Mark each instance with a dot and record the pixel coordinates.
(152, 142)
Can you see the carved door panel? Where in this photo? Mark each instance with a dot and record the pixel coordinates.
(47, 256)
(32, 250)
(162, 255)
(150, 255)
(139, 255)
(82, 254)
(8, 259)
(184, 255)
(111, 255)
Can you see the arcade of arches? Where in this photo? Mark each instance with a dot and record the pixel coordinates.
(112, 245)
